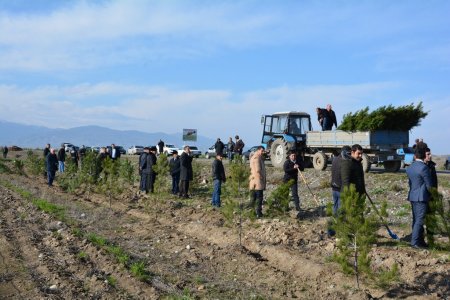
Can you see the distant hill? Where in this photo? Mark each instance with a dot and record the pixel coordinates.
(29, 136)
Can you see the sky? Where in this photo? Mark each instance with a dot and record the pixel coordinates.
(217, 66)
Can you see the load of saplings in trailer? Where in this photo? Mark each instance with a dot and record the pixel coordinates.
(402, 118)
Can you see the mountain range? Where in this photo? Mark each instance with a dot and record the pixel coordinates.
(30, 136)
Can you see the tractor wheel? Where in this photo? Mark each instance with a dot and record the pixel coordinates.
(366, 163)
(320, 161)
(278, 153)
(392, 166)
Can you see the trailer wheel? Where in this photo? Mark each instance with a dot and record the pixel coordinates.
(320, 161)
(278, 153)
(366, 163)
(392, 166)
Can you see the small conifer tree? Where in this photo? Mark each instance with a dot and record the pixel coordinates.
(355, 232)
(437, 219)
(278, 200)
(34, 163)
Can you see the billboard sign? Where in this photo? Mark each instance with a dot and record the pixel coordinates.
(190, 135)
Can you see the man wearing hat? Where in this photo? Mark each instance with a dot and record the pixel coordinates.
(218, 174)
(174, 164)
(291, 167)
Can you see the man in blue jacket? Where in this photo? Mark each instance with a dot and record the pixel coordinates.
(419, 185)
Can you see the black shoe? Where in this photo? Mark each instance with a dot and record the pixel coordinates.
(419, 247)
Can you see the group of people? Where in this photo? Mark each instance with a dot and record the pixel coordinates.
(233, 148)
(55, 161)
(326, 117)
(422, 178)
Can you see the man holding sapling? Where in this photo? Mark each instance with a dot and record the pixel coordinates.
(420, 183)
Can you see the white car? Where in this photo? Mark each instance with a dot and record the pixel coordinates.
(168, 149)
(194, 151)
(135, 150)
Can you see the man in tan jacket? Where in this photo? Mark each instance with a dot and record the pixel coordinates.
(257, 180)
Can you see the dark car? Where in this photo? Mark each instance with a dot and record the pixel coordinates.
(447, 163)
(211, 152)
(119, 148)
(246, 154)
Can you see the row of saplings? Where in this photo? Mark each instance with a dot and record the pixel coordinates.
(355, 225)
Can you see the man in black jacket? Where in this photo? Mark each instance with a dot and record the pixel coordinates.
(218, 146)
(291, 167)
(51, 161)
(174, 164)
(218, 174)
(336, 181)
(148, 175)
(352, 171)
(186, 172)
(61, 158)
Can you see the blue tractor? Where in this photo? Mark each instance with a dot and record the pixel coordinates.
(285, 131)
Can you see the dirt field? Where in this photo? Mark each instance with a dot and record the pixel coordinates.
(80, 248)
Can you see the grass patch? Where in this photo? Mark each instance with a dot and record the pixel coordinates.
(57, 211)
(96, 240)
(137, 269)
(121, 256)
(111, 280)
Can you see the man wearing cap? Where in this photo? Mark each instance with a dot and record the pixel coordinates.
(174, 164)
(218, 174)
(291, 167)
(186, 173)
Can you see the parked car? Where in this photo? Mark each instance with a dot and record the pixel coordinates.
(135, 150)
(68, 146)
(447, 163)
(211, 152)
(95, 149)
(194, 150)
(15, 148)
(169, 148)
(119, 148)
(246, 154)
(408, 152)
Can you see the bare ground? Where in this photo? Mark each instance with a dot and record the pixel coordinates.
(189, 250)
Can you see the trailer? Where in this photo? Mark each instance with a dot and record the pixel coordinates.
(293, 131)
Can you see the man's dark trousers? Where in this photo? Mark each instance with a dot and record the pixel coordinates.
(419, 210)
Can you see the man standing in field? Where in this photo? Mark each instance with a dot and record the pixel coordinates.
(61, 158)
(51, 161)
(336, 181)
(291, 168)
(174, 164)
(420, 183)
(352, 171)
(186, 172)
(218, 174)
(257, 180)
(5, 151)
(239, 145)
(230, 148)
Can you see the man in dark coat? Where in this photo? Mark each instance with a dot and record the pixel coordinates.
(336, 181)
(230, 148)
(239, 145)
(45, 153)
(61, 158)
(218, 175)
(291, 167)
(51, 161)
(218, 146)
(329, 118)
(174, 164)
(186, 173)
(148, 175)
(352, 171)
(161, 146)
(432, 165)
(115, 153)
(5, 151)
(420, 183)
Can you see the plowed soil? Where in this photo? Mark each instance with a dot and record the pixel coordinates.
(191, 251)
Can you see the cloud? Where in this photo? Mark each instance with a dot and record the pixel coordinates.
(85, 35)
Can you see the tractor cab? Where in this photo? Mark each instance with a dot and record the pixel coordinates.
(284, 131)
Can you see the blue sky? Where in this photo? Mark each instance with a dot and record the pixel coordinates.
(161, 66)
